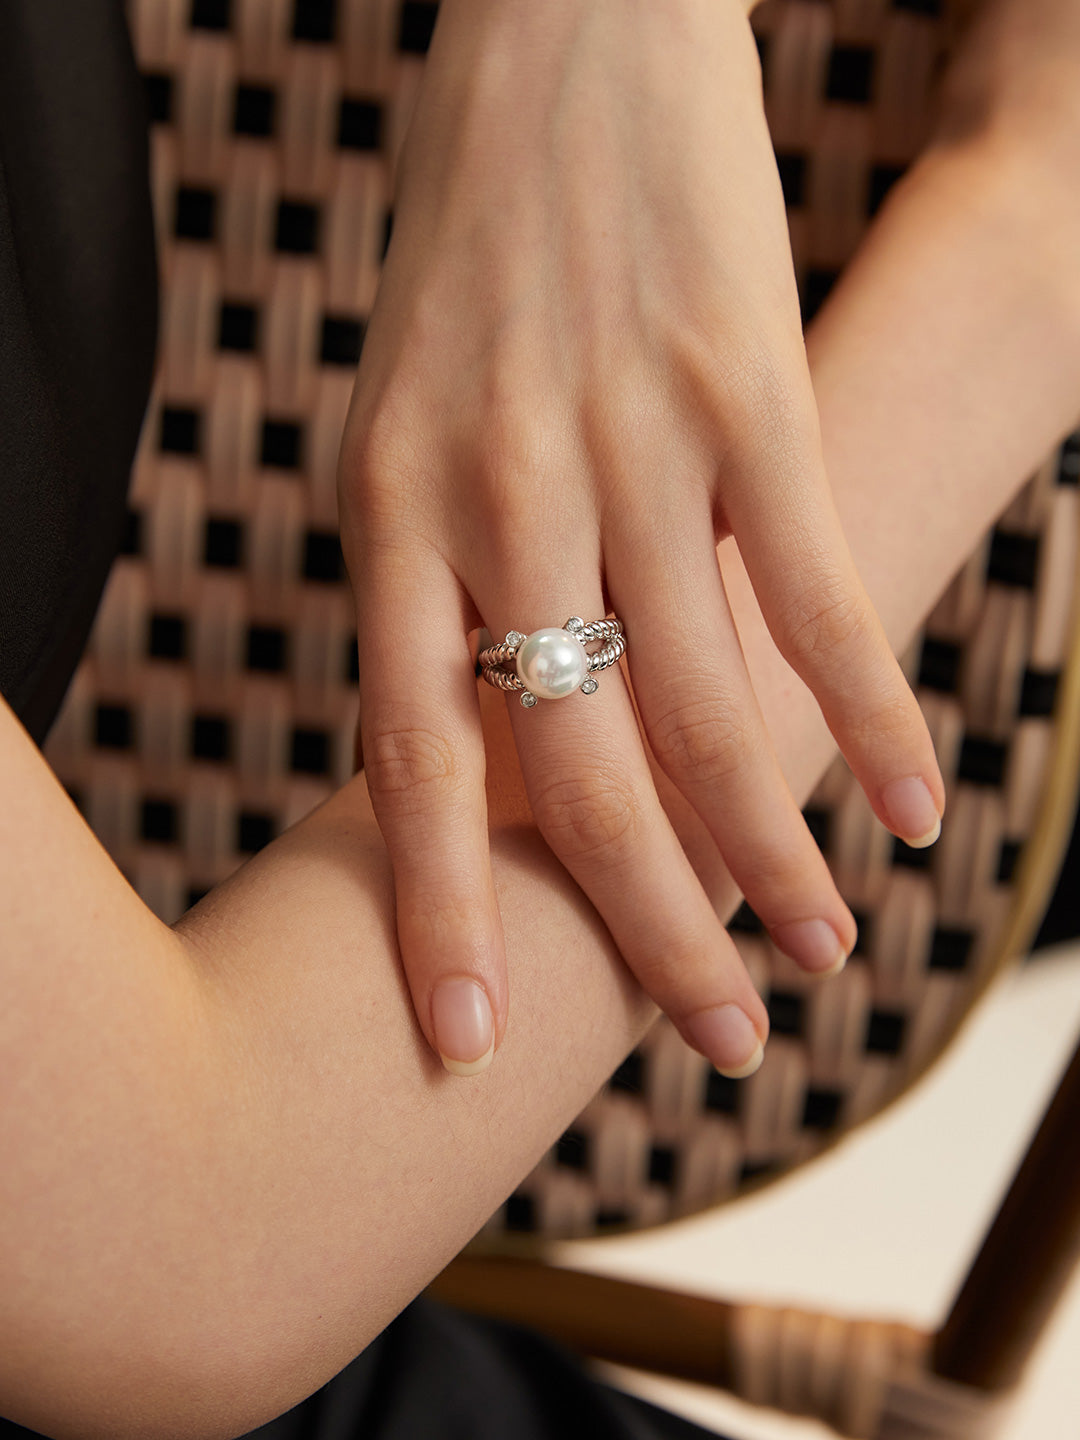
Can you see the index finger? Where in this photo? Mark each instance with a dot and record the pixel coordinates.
(424, 761)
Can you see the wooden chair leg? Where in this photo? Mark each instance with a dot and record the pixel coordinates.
(1026, 1259)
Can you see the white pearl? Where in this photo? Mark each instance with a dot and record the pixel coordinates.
(552, 663)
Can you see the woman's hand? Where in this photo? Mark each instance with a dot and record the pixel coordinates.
(584, 366)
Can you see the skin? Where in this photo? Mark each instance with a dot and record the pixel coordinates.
(584, 367)
(237, 1156)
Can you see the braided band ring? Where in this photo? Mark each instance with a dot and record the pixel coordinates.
(549, 664)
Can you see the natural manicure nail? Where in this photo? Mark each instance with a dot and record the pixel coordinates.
(813, 944)
(464, 1027)
(911, 811)
(727, 1036)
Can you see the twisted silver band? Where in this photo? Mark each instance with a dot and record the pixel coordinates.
(549, 664)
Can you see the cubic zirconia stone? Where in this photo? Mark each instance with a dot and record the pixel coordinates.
(528, 699)
(514, 637)
(588, 687)
(574, 623)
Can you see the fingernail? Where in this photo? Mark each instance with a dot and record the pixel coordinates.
(464, 1026)
(911, 811)
(727, 1036)
(813, 944)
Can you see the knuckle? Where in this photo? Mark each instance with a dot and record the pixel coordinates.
(750, 394)
(410, 767)
(823, 623)
(758, 386)
(436, 924)
(519, 496)
(586, 817)
(672, 974)
(380, 468)
(771, 416)
(777, 872)
(513, 438)
(704, 739)
(512, 455)
(886, 722)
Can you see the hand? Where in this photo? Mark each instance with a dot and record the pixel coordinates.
(584, 366)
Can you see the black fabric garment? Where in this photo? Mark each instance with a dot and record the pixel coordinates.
(439, 1374)
(78, 300)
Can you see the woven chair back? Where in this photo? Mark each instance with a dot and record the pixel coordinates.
(217, 700)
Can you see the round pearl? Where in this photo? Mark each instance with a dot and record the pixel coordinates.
(552, 663)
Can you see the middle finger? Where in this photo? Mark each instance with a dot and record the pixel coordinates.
(594, 801)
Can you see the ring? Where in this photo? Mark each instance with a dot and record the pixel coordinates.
(551, 663)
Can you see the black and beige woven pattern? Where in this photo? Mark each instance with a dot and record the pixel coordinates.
(217, 701)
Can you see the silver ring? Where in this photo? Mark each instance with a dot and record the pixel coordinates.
(550, 664)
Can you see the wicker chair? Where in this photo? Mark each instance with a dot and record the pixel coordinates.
(217, 701)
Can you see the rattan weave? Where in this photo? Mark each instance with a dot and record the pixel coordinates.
(217, 701)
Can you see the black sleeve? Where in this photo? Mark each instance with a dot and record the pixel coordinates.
(78, 314)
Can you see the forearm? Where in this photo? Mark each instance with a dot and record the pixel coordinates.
(313, 1165)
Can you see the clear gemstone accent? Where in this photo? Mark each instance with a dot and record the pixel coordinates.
(528, 699)
(588, 687)
(515, 637)
(574, 623)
